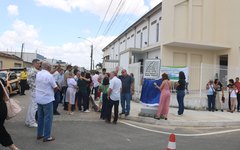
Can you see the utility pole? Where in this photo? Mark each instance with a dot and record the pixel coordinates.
(91, 58)
(22, 50)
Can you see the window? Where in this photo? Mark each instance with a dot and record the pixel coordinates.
(128, 38)
(1, 64)
(155, 21)
(132, 35)
(157, 32)
(144, 28)
(123, 41)
(17, 65)
(138, 31)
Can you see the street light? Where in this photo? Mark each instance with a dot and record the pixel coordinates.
(91, 56)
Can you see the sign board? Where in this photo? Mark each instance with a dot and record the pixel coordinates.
(173, 71)
(152, 68)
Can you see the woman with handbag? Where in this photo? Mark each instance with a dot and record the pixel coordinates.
(5, 138)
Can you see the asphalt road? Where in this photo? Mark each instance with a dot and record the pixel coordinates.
(85, 131)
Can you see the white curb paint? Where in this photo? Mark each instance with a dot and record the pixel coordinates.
(186, 135)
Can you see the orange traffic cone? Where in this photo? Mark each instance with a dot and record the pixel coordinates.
(172, 142)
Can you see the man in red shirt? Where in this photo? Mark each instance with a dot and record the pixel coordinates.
(237, 84)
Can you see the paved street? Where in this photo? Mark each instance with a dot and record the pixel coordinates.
(85, 131)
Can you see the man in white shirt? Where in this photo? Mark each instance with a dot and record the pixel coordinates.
(115, 88)
(45, 86)
(95, 80)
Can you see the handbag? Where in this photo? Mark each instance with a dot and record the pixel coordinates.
(13, 107)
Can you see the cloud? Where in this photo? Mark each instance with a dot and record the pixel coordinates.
(75, 53)
(13, 10)
(97, 7)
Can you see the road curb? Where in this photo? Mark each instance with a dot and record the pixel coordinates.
(148, 120)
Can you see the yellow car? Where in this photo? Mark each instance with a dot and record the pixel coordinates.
(12, 81)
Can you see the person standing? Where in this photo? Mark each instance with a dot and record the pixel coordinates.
(71, 92)
(64, 88)
(5, 138)
(181, 85)
(211, 96)
(95, 80)
(60, 80)
(233, 97)
(88, 76)
(114, 92)
(230, 85)
(102, 75)
(83, 95)
(45, 86)
(32, 108)
(237, 84)
(127, 87)
(219, 95)
(163, 106)
(57, 95)
(23, 81)
(104, 87)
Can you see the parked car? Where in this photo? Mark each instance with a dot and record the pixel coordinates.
(11, 80)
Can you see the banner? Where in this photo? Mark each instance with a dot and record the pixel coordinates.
(173, 72)
(150, 95)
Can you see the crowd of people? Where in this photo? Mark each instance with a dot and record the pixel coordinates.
(216, 97)
(72, 88)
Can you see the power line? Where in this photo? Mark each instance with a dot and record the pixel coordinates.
(104, 18)
(116, 13)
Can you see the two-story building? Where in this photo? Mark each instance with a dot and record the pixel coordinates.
(202, 35)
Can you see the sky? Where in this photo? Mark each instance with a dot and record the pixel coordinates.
(52, 27)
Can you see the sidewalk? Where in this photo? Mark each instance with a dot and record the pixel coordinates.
(190, 118)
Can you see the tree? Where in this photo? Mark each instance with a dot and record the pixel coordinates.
(99, 65)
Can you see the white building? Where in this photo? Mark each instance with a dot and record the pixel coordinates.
(202, 35)
(139, 42)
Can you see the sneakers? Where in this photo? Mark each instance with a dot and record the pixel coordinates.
(49, 139)
(34, 125)
(87, 111)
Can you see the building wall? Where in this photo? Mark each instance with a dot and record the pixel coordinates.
(213, 22)
(131, 39)
(7, 63)
(155, 28)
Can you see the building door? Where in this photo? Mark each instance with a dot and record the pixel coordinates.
(223, 61)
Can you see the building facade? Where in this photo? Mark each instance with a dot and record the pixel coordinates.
(26, 56)
(202, 35)
(9, 61)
